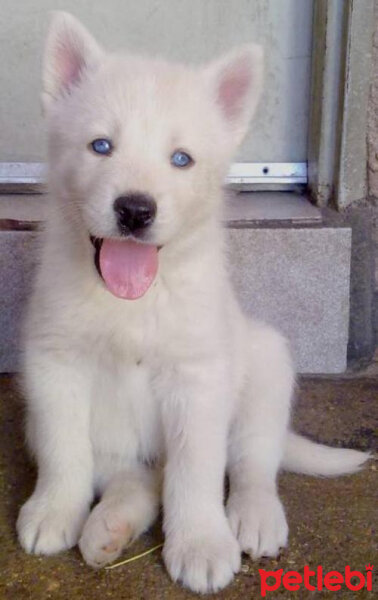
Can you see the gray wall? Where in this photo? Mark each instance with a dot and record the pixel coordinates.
(373, 159)
(187, 30)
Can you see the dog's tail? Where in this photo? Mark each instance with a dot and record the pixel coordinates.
(303, 456)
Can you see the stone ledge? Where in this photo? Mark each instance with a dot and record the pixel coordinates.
(296, 279)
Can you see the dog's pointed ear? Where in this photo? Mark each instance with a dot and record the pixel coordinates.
(70, 50)
(236, 84)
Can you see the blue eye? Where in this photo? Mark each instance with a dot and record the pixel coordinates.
(181, 159)
(102, 146)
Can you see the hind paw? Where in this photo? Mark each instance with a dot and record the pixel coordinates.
(105, 535)
(258, 521)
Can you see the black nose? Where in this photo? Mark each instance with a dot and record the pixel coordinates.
(134, 211)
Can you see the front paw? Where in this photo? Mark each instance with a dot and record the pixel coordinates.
(257, 519)
(204, 558)
(47, 526)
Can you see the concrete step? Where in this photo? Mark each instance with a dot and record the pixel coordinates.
(291, 272)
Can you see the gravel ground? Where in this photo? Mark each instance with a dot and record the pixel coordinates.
(332, 522)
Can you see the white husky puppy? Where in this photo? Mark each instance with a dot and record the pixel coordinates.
(144, 380)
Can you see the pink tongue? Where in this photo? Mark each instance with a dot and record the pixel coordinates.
(128, 268)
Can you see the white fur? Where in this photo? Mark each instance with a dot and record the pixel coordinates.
(178, 383)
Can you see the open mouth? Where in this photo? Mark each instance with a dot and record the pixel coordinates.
(127, 267)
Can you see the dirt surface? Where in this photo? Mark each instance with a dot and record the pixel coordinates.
(332, 522)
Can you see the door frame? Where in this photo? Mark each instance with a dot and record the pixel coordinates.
(340, 88)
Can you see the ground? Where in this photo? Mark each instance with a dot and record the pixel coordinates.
(332, 522)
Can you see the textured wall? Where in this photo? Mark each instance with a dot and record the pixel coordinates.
(373, 147)
(373, 116)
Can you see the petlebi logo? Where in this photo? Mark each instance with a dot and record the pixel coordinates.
(316, 580)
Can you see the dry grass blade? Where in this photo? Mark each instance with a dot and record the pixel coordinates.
(136, 557)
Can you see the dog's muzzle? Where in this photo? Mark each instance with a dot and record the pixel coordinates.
(135, 212)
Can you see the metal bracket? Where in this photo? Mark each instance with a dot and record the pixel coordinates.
(264, 176)
(22, 178)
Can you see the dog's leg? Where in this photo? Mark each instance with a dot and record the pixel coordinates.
(257, 439)
(128, 507)
(58, 433)
(199, 549)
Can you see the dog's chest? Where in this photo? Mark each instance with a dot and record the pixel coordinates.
(133, 348)
(125, 416)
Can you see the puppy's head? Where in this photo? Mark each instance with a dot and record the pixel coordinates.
(139, 148)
